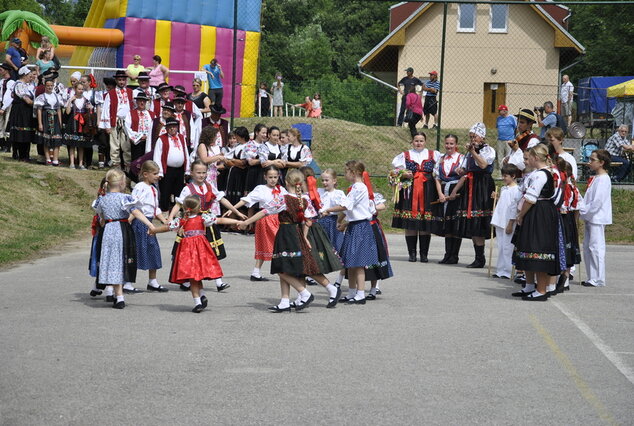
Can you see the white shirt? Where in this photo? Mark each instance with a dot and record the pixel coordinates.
(565, 93)
(535, 185)
(416, 156)
(506, 208)
(570, 160)
(486, 152)
(447, 162)
(148, 197)
(145, 129)
(533, 142)
(262, 194)
(516, 158)
(267, 148)
(290, 153)
(7, 98)
(175, 155)
(123, 107)
(357, 203)
(331, 198)
(597, 208)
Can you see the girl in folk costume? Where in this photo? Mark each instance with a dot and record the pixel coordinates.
(538, 238)
(383, 270)
(49, 123)
(296, 154)
(476, 186)
(266, 228)
(270, 153)
(238, 166)
(95, 247)
(597, 213)
(170, 153)
(195, 260)
(251, 155)
(356, 252)
(210, 199)
(223, 169)
(330, 197)
(76, 110)
(297, 250)
(117, 257)
(148, 250)
(209, 153)
(412, 175)
(138, 126)
(504, 220)
(447, 177)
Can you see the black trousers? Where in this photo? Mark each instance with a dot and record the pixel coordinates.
(401, 113)
(171, 184)
(412, 123)
(138, 150)
(21, 150)
(216, 96)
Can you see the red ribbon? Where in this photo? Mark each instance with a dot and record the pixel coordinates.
(277, 190)
(418, 196)
(93, 82)
(94, 226)
(368, 183)
(313, 194)
(469, 177)
(80, 119)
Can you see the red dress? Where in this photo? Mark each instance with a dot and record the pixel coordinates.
(194, 258)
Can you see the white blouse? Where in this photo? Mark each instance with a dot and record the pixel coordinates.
(330, 199)
(535, 185)
(357, 203)
(290, 153)
(148, 197)
(517, 159)
(262, 194)
(416, 156)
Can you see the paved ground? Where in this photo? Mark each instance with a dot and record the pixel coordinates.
(443, 345)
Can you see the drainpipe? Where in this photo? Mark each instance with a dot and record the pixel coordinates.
(371, 77)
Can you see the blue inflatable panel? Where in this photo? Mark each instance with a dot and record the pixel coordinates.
(307, 132)
(118, 23)
(215, 13)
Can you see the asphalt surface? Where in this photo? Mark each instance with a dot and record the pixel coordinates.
(441, 345)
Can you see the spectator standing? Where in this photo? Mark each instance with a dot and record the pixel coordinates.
(214, 76)
(47, 46)
(548, 120)
(133, 70)
(404, 88)
(566, 93)
(506, 125)
(158, 73)
(200, 98)
(414, 103)
(617, 145)
(264, 100)
(44, 62)
(278, 95)
(316, 106)
(16, 57)
(431, 87)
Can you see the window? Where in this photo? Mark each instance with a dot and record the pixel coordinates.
(466, 18)
(499, 18)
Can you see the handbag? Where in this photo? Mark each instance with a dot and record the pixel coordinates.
(409, 116)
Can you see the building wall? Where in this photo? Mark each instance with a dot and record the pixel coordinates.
(524, 59)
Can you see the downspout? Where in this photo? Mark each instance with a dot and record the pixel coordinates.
(371, 77)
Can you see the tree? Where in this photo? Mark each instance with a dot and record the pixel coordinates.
(26, 5)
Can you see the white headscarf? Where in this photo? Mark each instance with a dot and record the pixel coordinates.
(24, 70)
(479, 129)
(76, 75)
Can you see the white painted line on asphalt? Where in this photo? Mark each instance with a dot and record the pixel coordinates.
(597, 342)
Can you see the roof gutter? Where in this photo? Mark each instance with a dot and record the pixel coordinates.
(371, 77)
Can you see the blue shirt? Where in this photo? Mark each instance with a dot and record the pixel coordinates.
(214, 83)
(16, 58)
(549, 121)
(432, 85)
(506, 127)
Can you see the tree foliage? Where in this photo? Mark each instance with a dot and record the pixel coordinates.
(26, 5)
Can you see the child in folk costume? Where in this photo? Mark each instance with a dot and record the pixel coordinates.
(238, 166)
(148, 250)
(251, 155)
(195, 260)
(265, 229)
(117, 256)
(356, 251)
(210, 198)
(382, 270)
(48, 108)
(270, 153)
(476, 186)
(76, 110)
(295, 154)
(412, 210)
(447, 177)
(504, 220)
(538, 239)
(95, 247)
(331, 197)
(138, 127)
(298, 251)
(596, 213)
(170, 153)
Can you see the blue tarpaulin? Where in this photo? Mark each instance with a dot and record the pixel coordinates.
(592, 94)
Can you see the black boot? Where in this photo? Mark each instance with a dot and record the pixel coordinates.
(410, 240)
(480, 260)
(424, 247)
(455, 249)
(448, 248)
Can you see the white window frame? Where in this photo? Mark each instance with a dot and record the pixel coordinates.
(475, 13)
(506, 19)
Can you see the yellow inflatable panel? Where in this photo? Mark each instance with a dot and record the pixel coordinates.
(163, 41)
(249, 74)
(207, 49)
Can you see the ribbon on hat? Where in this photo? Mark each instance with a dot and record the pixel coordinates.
(479, 129)
(93, 82)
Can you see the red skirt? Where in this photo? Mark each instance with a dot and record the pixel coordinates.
(194, 260)
(265, 231)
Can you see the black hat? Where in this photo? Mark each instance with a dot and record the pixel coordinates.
(109, 81)
(143, 76)
(179, 88)
(527, 114)
(163, 86)
(171, 122)
(170, 106)
(6, 67)
(141, 96)
(179, 99)
(120, 74)
(217, 109)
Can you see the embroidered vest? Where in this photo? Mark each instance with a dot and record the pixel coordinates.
(114, 104)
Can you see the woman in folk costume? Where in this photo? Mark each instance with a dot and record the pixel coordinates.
(476, 186)
(21, 122)
(49, 123)
(238, 167)
(417, 190)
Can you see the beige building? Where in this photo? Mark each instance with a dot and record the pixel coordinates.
(508, 54)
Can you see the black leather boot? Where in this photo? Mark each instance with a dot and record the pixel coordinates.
(455, 250)
(480, 260)
(448, 247)
(424, 247)
(411, 240)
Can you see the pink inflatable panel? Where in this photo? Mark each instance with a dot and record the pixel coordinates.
(139, 37)
(185, 52)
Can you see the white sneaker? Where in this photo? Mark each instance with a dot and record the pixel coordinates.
(72, 166)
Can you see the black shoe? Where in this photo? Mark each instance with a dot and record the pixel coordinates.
(412, 257)
(444, 259)
(204, 301)
(198, 309)
(276, 309)
(254, 278)
(310, 281)
(305, 304)
(110, 299)
(159, 289)
(184, 287)
(519, 279)
(541, 298)
(224, 286)
(332, 302)
(495, 276)
(95, 293)
(344, 299)
(520, 294)
(478, 263)
(423, 258)
(378, 291)
(567, 288)
(132, 291)
(452, 261)
(356, 302)
(370, 297)
(118, 305)
(587, 284)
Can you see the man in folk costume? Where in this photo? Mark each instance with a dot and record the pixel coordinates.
(186, 120)
(194, 111)
(158, 125)
(172, 157)
(6, 88)
(525, 138)
(144, 87)
(116, 106)
(218, 122)
(138, 126)
(164, 91)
